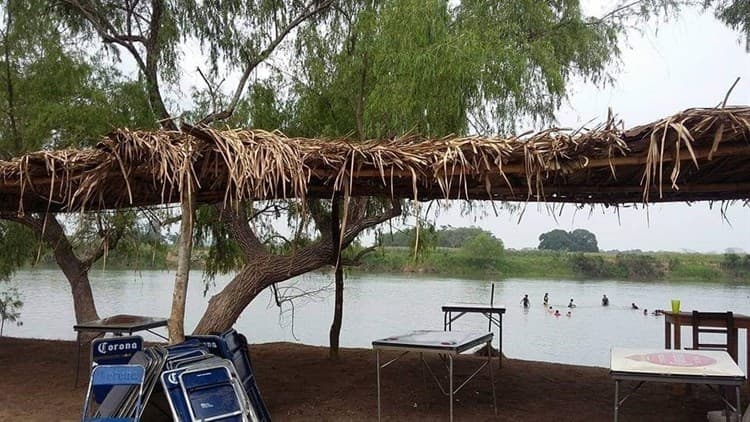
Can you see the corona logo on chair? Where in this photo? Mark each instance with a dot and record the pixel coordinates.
(105, 347)
(116, 346)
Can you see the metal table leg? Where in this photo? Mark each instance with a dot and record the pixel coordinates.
(617, 398)
(377, 362)
(77, 357)
(492, 379)
(450, 370)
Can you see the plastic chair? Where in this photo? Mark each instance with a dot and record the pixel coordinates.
(128, 376)
(211, 394)
(233, 346)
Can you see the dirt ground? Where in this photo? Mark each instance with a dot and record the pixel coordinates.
(299, 383)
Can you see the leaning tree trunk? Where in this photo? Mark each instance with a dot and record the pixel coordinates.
(260, 272)
(75, 270)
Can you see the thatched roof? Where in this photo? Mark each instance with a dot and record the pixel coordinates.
(699, 154)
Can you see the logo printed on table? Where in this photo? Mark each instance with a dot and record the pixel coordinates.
(686, 360)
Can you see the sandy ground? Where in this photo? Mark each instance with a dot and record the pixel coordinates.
(299, 383)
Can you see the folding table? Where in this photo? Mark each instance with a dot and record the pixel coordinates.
(492, 312)
(711, 367)
(446, 343)
(118, 325)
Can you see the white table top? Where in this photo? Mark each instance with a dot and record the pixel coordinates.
(434, 341)
(661, 362)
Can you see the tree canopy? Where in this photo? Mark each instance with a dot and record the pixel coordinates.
(578, 240)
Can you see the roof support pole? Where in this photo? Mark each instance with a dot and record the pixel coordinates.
(184, 252)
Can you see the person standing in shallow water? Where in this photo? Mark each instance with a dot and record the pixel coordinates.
(546, 299)
(525, 301)
(605, 300)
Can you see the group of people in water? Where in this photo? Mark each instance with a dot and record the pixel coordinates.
(526, 302)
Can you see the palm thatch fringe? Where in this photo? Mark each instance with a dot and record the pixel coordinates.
(700, 153)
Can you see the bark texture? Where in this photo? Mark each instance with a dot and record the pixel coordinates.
(176, 324)
(262, 268)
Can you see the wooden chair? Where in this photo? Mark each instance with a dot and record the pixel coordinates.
(715, 323)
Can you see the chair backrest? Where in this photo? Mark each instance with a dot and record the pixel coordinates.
(127, 376)
(113, 351)
(715, 323)
(233, 346)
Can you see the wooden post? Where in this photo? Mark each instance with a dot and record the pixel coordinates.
(184, 252)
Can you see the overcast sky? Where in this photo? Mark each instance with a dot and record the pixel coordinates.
(689, 62)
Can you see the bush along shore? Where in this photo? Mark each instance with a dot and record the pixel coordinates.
(484, 259)
(561, 264)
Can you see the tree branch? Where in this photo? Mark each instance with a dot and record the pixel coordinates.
(311, 9)
(240, 230)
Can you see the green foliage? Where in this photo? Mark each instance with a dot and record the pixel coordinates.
(736, 14)
(483, 251)
(364, 73)
(578, 240)
(447, 237)
(17, 246)
(10, 307)
(422, 239)
(639, 267)
(591, 266)
(739, 265)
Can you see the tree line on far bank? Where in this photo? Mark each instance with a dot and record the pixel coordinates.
(473, 252)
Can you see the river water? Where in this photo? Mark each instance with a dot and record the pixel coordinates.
(379, 305)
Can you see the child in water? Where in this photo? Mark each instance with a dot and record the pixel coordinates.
(525, 301)
(557, 312)
(569, 314)
(571, 304)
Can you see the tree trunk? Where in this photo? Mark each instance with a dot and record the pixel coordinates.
(74, 269)
(338, 314)
(335, 332)
(258, 273)
(262, 269)
(176, 323)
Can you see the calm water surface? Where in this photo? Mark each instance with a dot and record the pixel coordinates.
(377, 306)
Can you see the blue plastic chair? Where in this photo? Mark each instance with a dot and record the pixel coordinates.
(233, 346)
(127, 376)
(211, 395)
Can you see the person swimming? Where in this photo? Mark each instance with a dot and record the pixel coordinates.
(605, 300)
(633, 306)
(571, 304)
(550, 310)
(557, 312)
(645, 311)
(525, 301)
(546, 299)
(569, 314)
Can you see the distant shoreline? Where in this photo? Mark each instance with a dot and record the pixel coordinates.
(448, 262)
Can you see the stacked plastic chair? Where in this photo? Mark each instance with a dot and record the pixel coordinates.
(205, 378)
(201, 385)
(124, 399)
(233, 345)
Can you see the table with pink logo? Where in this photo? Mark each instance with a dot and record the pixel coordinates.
(711, 367)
